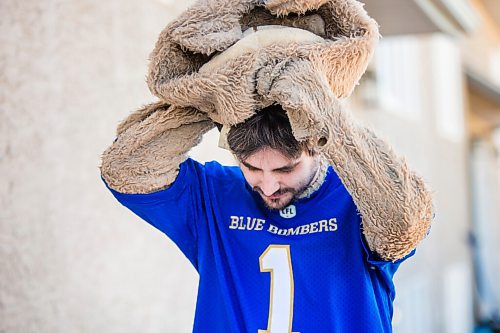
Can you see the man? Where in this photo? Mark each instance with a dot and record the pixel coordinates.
(273, 162)
(307, 233)
(285, 212)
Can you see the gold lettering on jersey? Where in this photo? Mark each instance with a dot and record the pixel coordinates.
(256, 224)
(248, 223)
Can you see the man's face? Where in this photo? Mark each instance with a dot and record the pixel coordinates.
(279, 179)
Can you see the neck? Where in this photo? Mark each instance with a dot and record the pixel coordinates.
(317, 180)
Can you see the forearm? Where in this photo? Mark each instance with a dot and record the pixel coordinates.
(394, 202)
(151, 144)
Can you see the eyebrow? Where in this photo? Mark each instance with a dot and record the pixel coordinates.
(283, 168)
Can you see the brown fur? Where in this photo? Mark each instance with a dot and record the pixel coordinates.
(150, 145)
(188, 42)
(307, 79)
(260, 16)
(394, 202)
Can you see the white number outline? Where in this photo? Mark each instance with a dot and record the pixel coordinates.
(272, 293)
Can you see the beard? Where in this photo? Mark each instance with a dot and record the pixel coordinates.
(287, 195)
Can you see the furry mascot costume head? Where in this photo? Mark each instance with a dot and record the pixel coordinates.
(229, 58)
(223, 60)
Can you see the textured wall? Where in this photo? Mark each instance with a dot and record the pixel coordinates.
(72, 259)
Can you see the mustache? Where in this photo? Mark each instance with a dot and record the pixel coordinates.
(278, 192)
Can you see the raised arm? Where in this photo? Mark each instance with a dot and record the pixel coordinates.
(150, 145)
(394, 202)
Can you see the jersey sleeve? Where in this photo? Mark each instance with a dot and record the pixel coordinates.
(175, 210)
(383, 269)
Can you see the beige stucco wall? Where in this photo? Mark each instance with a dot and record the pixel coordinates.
(72, 259)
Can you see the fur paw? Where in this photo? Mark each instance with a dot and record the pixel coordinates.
(303, 92)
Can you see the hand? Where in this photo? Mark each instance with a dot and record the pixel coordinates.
(304, 93)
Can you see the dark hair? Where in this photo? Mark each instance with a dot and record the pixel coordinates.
(269, 128)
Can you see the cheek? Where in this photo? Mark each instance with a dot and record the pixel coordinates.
(251, 178)
(289, 180)
(295, 179)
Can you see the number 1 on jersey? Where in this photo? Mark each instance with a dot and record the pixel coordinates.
(276, 260)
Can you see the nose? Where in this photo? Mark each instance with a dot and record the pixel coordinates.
(269, 184)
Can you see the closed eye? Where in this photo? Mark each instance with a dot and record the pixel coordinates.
(285, 170)
(249, 166)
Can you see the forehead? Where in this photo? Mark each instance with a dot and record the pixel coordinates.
(270, 158)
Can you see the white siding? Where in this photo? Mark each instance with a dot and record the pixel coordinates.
(457, 296)
(447, 82)
(413, 306)
(398, 76)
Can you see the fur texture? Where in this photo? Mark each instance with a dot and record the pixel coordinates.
(307, 79)
(394, 202)
(150, 145)
(228, 94)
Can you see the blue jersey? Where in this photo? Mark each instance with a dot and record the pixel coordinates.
(303, 269)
